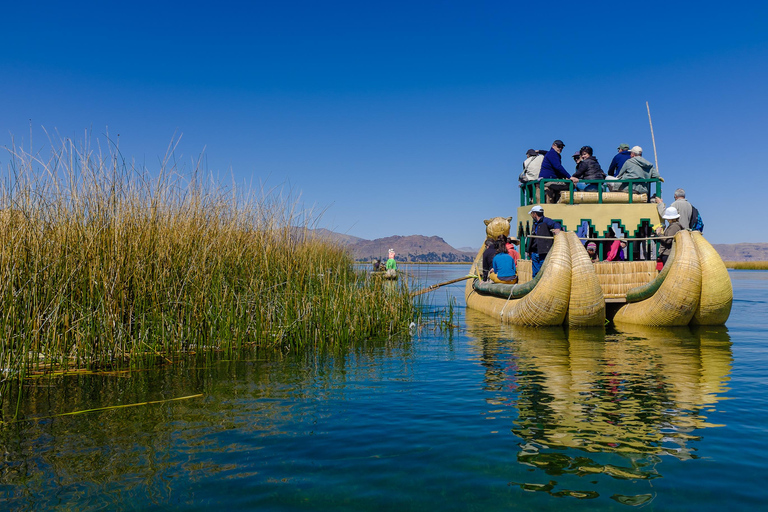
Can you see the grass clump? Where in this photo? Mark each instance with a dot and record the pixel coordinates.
(104, 264)
(747, 265)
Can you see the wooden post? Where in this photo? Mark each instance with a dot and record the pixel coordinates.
(655, 158)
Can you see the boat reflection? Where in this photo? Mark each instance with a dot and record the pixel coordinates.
(581, 394)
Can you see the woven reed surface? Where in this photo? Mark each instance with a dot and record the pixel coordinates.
(524, 271)
(717, 291)
(618, 277)
(586, 305)
(608, 197)
(546, 304)
(678, 297)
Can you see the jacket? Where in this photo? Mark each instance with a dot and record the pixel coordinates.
(637, 168)
(666, 245)
(542, 227)
(531, 168)
(589, 169)
(552, 167)
(684, 208)
(618, 162)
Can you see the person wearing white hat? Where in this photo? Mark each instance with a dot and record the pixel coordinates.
(539, 247)
(665, 245)
(637, 168)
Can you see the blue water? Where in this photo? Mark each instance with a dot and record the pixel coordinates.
(486, 417)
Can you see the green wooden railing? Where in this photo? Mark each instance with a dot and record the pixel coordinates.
(528, 191)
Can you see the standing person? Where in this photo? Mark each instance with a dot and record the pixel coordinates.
(673, 217)
(587, 168)
(538, 248)
(511, 242)
(531, 166)
(503, 266)
(682, 206)
(488, 254)
(391, 264)
(552, 167)
(618, 160)
(637, 168)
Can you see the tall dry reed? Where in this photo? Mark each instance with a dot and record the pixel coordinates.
(104, 263)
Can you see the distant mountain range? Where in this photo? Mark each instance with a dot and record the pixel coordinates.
(418, 248)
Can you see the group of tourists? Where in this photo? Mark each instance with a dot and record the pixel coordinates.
(500, 260)
(628, 164)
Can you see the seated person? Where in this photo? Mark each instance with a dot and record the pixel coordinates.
(617, 252)
(510, 243)
(488, 254)
(503, 269)
(592, 251)
(587, 168)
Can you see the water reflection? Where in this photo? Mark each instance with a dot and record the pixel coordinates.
(589, 402)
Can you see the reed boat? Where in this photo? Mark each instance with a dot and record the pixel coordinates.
(693, 288)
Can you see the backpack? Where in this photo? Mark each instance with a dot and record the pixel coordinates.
(696, 223)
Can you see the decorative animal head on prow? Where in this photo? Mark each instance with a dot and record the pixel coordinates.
(496, 227)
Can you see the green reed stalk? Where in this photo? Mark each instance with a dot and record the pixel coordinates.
(104, 264)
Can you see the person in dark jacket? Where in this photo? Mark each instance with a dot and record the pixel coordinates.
(488, 254)
(619, 160)
(552, 168)
(587, 168)
(538, 248)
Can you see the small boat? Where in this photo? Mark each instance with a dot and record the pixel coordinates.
(693, 288)
(383, 274)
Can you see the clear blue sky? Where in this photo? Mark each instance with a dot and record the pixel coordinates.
(403, 118)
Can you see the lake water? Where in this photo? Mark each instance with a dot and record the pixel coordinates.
(488, 417)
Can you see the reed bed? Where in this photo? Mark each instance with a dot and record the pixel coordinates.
(107, 265)
(747, 265)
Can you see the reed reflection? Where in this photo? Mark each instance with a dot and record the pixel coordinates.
(639, 393)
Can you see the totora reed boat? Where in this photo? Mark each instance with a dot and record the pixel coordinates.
(693, 288)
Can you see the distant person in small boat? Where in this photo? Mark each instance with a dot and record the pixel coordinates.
(510, 243)
(592, 252)
(488, 255)
(618, 161)
(376, 265)
(665, 245)
(637, 168)
(682, 206)
(552, 167)
(587, 168)
(531, 165)
(538, 248)
(503, 269)
(391, 264)
(618, 250)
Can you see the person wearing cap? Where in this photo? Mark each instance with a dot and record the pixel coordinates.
(637, 168)
(618, 160)
(391, 263)
(503, 268)
(511, 242)
(587, 168)
(538, 248)
(552, 168)
(592, 252)
(681, 204)
(531, 165)
(672, 216)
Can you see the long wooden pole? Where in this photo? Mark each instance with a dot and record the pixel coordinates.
(655, 158)
(438, 285)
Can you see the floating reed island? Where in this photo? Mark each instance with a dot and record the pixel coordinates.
(106, 264)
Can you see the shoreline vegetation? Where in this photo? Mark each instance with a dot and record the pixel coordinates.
(105, 265)
(747, 265)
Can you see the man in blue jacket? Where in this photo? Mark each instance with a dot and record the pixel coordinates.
(538, 248)
(552, 167)
(619, 160)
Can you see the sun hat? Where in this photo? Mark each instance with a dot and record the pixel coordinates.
(671, 213)
(636, 149)
(513, 240)
(537, 209)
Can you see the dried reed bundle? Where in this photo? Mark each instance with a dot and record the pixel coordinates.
(677, 298)
(716, 291)
(608, 198)
(586, 305)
